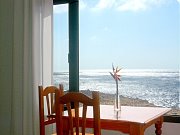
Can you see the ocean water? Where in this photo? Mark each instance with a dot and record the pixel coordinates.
(160, 87)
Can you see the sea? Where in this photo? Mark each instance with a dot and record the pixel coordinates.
(157, 86)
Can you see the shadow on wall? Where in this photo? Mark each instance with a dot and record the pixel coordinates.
(167, 129)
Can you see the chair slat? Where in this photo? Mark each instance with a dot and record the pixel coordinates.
(48, 106)
(68, 105)
(52, 103)
(76, 106)
(84, 119)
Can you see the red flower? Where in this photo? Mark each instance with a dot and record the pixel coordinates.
(115, 74)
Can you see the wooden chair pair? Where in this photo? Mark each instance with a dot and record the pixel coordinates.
(56, 111)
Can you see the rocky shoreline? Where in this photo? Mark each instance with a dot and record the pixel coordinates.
(108, 99)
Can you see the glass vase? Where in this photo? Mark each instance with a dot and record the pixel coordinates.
(117, 103)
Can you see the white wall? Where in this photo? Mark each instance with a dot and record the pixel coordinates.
(167, 129)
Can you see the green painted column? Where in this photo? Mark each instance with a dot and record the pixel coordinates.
(73, 45)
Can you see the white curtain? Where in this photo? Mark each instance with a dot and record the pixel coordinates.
(32, 62)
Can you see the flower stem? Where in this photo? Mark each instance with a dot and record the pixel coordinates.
(117, 94)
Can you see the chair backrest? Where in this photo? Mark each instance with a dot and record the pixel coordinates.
(74, 123)
(46, 100)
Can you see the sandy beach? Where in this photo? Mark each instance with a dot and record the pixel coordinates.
(108, 99)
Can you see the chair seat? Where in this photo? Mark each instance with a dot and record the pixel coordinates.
(85, 134)
(75, 134)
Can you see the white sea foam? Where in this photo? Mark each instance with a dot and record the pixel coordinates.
(160, 87)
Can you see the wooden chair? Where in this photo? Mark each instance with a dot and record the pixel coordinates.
(74, 123)
(47, 98)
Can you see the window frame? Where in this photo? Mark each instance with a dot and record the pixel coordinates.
(167, 118)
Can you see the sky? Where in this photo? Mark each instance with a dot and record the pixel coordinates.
(131, 34)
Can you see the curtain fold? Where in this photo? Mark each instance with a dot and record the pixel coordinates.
(32, 62)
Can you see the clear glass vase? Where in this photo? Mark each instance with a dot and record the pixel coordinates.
(117, 103)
